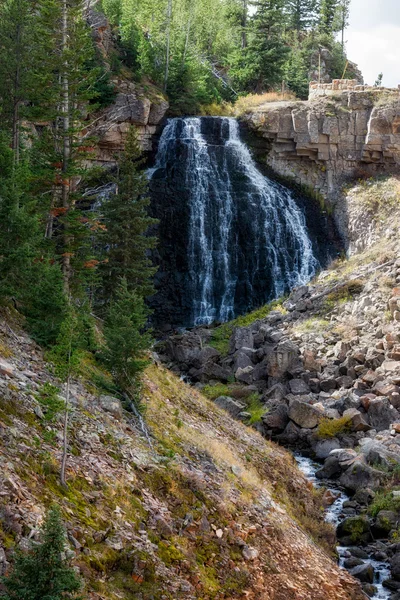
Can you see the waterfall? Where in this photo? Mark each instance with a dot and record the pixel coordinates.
(240, 238)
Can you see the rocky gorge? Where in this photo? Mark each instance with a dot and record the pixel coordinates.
(319, 372)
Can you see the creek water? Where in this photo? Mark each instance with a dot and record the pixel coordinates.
(334, 514)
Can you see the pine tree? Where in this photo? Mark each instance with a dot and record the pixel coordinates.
(126, 337)
(327, 15)
(260, 65)
(43, 573)
(342, 17)
(302, 14)
(127, 223)
(296, 72)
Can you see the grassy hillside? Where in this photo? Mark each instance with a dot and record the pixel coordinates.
(205, 508)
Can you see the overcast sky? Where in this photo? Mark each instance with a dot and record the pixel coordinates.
(373, 39)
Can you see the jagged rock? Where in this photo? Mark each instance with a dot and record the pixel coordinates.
(111, 405)
(233, 407)
(6, 368)
(277, 418)
(358, 422)
(304, 415)
(245, 375)
(283, 359)
(298, 386)
(381, 414)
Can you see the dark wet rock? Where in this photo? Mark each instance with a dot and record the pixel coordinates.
(354, 530)
(381, 414)
(277, 418)
(360, 475)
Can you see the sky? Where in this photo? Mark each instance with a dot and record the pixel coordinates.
(373, 39)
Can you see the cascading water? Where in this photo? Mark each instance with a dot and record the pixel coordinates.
(234, 239)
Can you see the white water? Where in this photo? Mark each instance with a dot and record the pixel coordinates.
(218, 176)
(334, 514)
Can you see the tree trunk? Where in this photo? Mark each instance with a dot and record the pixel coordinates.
(168, 37)
(244, 24)
(17, 82)
(66, 147)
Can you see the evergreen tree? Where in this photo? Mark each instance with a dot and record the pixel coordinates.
(126, 338)
(261, 64)
(43, 573)
(296, 72)
(342, 17)
(127, 223)
(302, 14)
(327, 15)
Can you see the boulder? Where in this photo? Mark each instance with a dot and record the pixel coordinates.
(290, 435)
(233, 407)
(277, 418)
(244, 375)
(324, 447)
(330, 470)
(395, 566)
(242, 337)
(283, 359)
(358, 422)
(111, 405)
(298, 387)
(385, 521)
(304, 415)
(242, 360)
(354, 530)
(360, 475)
(364, 573)
(381, 414)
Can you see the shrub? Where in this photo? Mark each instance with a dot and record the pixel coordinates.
(43, 572)
(215, 391)
(330, 428)
(256, 409)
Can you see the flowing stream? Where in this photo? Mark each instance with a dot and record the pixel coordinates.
(334, 514)
(233, 239)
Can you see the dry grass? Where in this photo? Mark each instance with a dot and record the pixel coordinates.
(251, 102)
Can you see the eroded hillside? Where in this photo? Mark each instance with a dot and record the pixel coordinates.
(203, 508)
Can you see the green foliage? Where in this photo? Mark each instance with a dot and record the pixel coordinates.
(384, 500)
(50, 401)
(255, 408)
(125, 336)
(214, 391)
(127, 223)
(43, 573)
(330, 428)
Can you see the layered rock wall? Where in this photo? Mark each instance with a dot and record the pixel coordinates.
(322, 144)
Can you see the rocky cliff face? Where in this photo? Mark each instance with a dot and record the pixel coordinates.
(327, 142)
(133, 104)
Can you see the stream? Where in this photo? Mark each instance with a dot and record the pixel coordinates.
(334, 514)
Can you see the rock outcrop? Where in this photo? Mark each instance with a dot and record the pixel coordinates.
(324, 143)
(133, 105)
